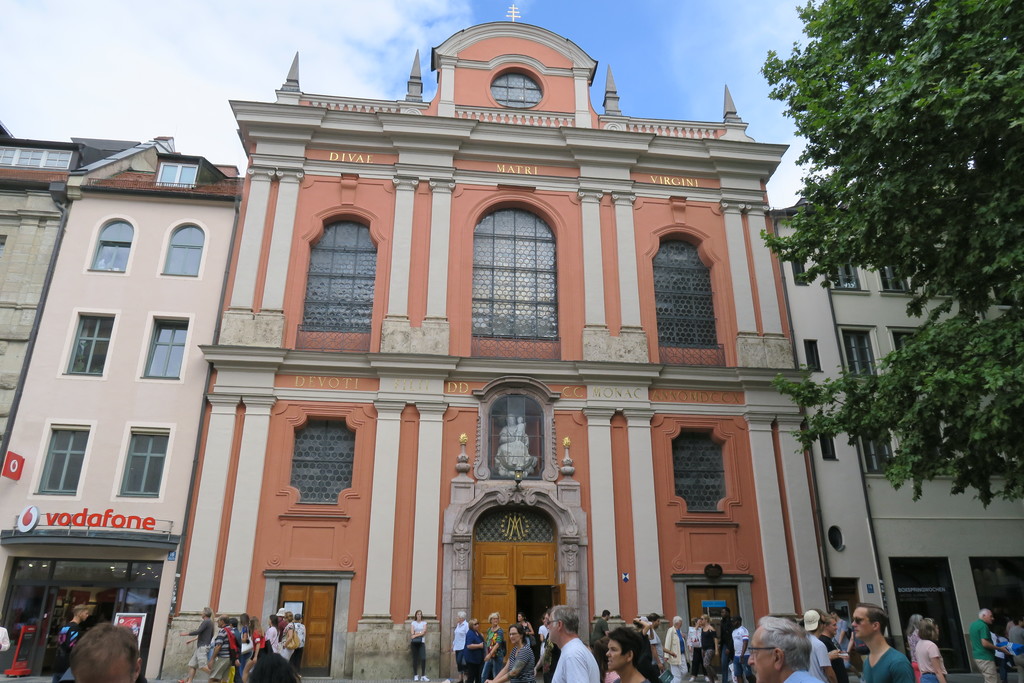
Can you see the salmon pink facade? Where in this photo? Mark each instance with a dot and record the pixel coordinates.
(494, 352)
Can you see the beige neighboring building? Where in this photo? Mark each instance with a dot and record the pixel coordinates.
(942, 556)
(30, 222)
(109, 418)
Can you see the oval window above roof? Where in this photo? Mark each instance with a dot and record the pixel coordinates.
(516, 90)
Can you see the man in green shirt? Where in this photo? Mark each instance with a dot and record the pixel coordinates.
(600, 627)
(982, 649)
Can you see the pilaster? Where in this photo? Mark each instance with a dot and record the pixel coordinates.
(625, 234)
(602, 512)
(395, 335)
(202, 549)
(380, 552)
(234, 591)
(593, 262)
(739, 268)
(771, 317)
(645, 512)
(581, 77)
(426, 535)
(243, 291)
(446, 81)
(801, 524)
(769, 514)
(281, 239)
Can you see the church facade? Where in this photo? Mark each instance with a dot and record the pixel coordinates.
(494, 352)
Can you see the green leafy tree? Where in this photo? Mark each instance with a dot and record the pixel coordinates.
(913, 114)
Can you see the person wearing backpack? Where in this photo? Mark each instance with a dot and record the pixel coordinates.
(67, 638)
(225, 652)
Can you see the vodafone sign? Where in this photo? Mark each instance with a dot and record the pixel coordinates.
(13, 465)
(29, 518)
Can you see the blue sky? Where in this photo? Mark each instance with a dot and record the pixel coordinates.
(136, 70)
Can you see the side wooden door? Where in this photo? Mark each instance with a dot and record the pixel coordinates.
(318, 617)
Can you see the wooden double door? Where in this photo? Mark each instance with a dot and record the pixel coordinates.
(710, 600)
(317, 609)
(514, 576)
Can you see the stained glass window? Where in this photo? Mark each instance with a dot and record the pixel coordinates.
(683, 297)
(514, 284)
(699, 471)
(322, 462)
(339, 288)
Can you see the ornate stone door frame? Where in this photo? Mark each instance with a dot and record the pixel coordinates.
(470, 499)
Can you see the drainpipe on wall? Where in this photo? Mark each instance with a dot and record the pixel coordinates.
(59, 195)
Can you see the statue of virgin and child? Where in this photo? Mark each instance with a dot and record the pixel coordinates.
(514, 449)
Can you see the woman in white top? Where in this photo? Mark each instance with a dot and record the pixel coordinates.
(272, 635)
(927, 655)
(417, 635)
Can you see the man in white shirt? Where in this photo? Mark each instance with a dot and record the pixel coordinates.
(576, 664)
(820, 665)
(740, 643)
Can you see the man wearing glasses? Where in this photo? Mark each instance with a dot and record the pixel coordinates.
(883, 664)
(780, 652)
(576, 663)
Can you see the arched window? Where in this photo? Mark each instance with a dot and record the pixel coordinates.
(514, 281)
(699, 471)
(322, 462)
(185, 251)
(683, 301)
(339, 288)
(115, 244)
(515, 90)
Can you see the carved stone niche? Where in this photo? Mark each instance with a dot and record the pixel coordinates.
(517, 417)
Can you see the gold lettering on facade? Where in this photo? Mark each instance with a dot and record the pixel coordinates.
(456, 388)
(321, 382)
(574, 392)
(517, 169)
(351, 157)
(675, 181)
(411, 385)
(691, 396)
(634, 393)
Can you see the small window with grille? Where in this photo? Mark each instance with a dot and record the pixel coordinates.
(322, 461)
(699, 471)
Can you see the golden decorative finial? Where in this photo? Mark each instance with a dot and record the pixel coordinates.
(463, 438)
(513, 13)
(566, 442)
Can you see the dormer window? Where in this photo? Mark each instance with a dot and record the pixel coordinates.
(516, 90)
(183, 175)
(34, 158)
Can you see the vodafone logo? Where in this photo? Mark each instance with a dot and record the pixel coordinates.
(28, 518)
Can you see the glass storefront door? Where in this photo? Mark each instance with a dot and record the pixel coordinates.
(924, 586)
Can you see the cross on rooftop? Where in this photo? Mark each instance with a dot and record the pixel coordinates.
(513, 13)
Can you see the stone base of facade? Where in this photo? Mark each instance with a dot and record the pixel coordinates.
(245, 328)
(398, 336)
(380, 650)
(768, 351)
(629, 347)
(176, 651)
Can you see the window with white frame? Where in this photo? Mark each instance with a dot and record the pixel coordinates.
(34, 158)
(178, 174)
(144, 468)
(167, 349)
(846, 278)
(64, 458)
(860, 359)
(891, 282)
(114, 247)
(185, 251)
(92, 341)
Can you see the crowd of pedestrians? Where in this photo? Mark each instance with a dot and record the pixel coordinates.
(236, 649)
